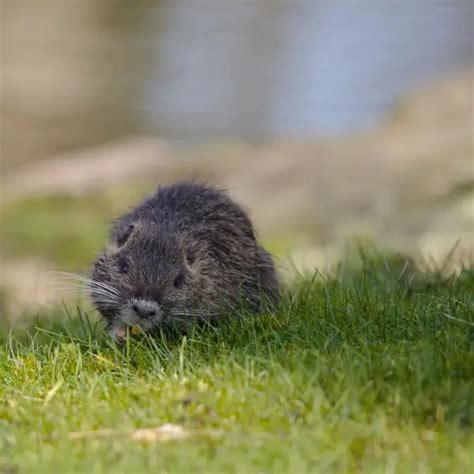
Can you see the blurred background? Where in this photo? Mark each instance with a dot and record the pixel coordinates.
(331, 121)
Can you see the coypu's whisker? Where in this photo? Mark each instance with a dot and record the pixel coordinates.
(82, 278)
(87, 282)
(189, 315)
(185, 312)
(94, 288)
(105, 296)
(101, 292)
(108, 296)
(104, 285)
(108, 302)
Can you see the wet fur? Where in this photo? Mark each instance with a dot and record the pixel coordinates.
(189, 253)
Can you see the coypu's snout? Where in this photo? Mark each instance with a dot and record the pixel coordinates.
(140, 315)
(144, 309)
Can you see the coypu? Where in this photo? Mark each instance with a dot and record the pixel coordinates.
(187, 253)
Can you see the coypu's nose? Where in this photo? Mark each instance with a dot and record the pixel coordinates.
(144, 309)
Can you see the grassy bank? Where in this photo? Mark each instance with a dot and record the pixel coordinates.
(370, 371)
(65, 230)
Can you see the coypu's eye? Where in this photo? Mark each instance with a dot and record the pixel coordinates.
(124, 237)
(179, 281)
(123, 266)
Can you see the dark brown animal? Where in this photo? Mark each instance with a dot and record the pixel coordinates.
(186, 253)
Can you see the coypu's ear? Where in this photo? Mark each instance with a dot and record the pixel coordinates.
(123, 236)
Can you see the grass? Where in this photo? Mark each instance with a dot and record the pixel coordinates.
(53, 227)
(364, 372)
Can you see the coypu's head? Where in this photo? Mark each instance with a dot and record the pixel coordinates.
(147, 275)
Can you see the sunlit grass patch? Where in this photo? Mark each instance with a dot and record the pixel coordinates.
(367, 371)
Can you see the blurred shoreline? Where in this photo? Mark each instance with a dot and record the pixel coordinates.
(428, 125)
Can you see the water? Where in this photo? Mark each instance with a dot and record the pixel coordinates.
(307, 68)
